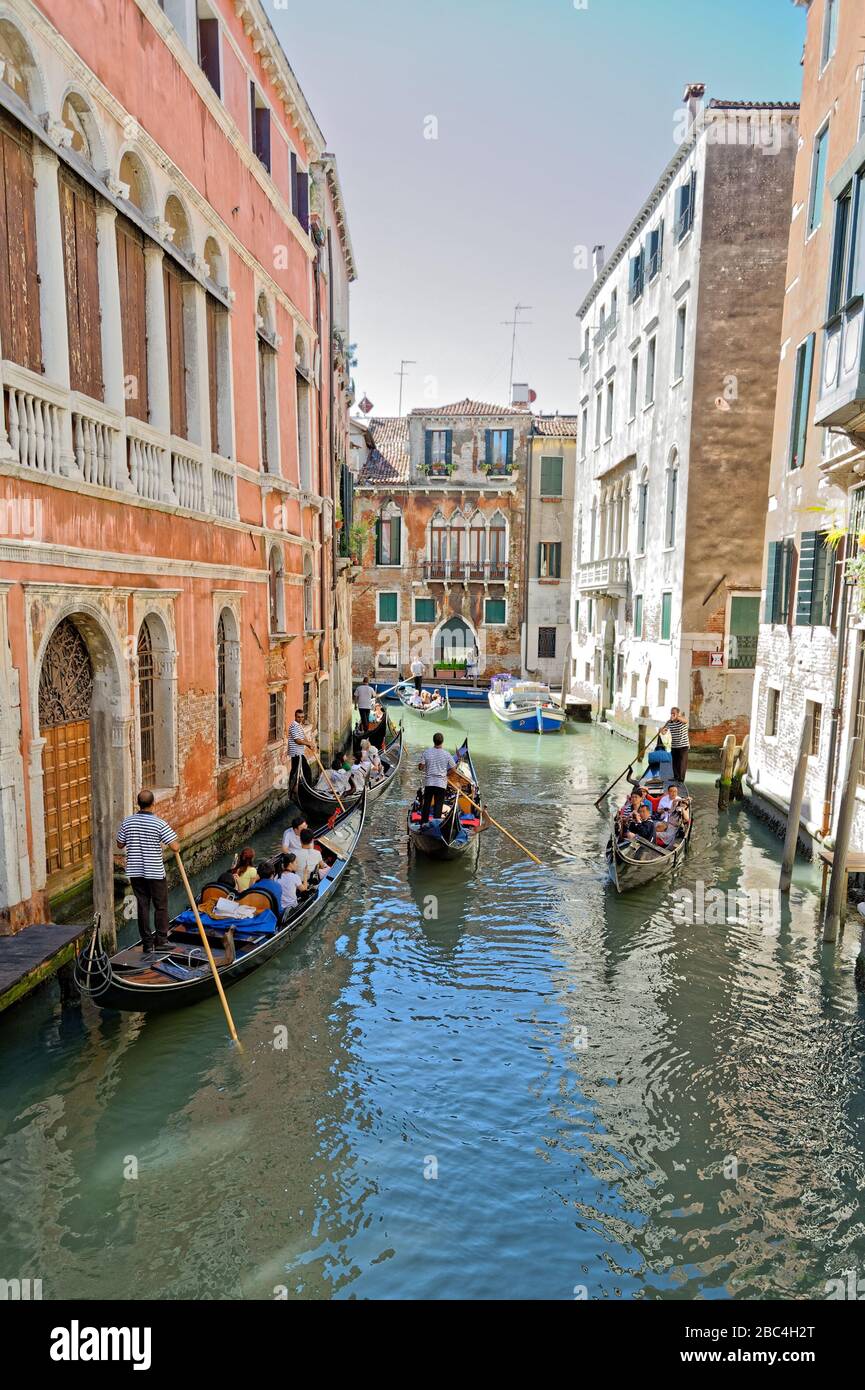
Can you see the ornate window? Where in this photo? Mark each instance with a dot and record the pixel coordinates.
(276, 590)
(308, 596)
(146, 707)
(227, 687)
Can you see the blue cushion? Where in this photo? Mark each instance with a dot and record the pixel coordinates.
(264, 922)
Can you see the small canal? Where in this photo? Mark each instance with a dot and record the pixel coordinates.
(492, 1084)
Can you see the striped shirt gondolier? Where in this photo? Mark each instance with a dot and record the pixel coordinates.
(678, 733)
(142, 835)
(296, 731)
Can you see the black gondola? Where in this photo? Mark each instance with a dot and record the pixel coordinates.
(634, 862)
(383, 731)
(172, 978)
(322, 806)
(460, 824)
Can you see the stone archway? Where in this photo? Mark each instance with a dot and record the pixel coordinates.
(79, 756)
(453, 640)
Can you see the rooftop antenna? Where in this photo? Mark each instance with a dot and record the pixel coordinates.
(514, 323)
(404, 362)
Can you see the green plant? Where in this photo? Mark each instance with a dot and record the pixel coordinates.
(358, 539)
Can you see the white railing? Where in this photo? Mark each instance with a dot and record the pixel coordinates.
(35, 430)
(603, 574)
(94, 445)
(187, 477)
(144, 461)
(224, 503)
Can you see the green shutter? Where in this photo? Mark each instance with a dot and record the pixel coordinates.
(787, 581)
(396, 541)
(488, 447)
(801, 401)
(387, 606)
(540, 559)
(448, 447)
(551, 477)
(666, 616)
(809, 548)
(427, 448)
(424, 610)
(773, 568)
(509, 458)
(556, 560)
(494, 610)
(638, 615)
(378, 540)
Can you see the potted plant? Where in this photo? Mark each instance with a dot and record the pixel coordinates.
(358, 539)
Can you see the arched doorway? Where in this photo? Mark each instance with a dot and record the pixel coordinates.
(65, 703)
(453, 642)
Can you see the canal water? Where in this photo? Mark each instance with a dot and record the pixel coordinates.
(492, 1083)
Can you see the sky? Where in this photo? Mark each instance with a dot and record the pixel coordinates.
(552, 121)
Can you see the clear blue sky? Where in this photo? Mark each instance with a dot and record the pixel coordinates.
(554, 123)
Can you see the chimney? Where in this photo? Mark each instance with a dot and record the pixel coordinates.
(693, 99)
(597, 260)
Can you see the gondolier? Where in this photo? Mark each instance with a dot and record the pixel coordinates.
(142, 835)
(364, 699)
(677, 727)
(417, 670)
(297, 742)
(435, 764)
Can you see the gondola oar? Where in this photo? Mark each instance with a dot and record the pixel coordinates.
(628, 769)
(484, 812)
(336, 795)
(207, 951)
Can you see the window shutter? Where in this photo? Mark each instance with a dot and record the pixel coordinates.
(302, 212)
(510, 454)
(294, 183)
(20, 330)
(787, 581)
(133, 316)
(427, 449)
(448, 447)
(773, 566)
(488, 454)
(173, 282)
(540, 560)
(808, 549)
(378, 540)
(396, 541)
(213, 311)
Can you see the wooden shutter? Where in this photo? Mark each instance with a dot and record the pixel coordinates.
(133, 314)
(262, 403)
(396, 540)
(302, 210)
(448, 447)
(788, 554)
(509, 454)
(801, 402)
(81, 268)
(773, 570)
(427, 448)
(20, 331)
(213, 311)
(378, 540)
(809, 546)
(488, 454)
(173, 282)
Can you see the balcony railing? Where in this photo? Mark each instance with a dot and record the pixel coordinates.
(35, 429)
(187, 478)
(95, 446)
(741, 652)
(604, 576)
(841, 396)
(466, 571)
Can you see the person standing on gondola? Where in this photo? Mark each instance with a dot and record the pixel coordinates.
(143, 835)
(435, 764)
(417, 670)
(298, 741)
(677, 727)
(364, 699)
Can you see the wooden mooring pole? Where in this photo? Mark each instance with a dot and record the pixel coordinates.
(797, 792)
(837, 899)
(728, 757)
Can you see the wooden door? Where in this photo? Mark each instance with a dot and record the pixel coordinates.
(66, 789)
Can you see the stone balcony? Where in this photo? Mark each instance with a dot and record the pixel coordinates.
(465, 572)
(604, 577)
(841, 382)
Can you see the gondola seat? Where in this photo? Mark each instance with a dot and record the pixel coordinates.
(261, 899)
(211, 894)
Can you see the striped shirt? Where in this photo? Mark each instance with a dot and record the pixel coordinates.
(296, 731)
(142, 835)
(678, 733)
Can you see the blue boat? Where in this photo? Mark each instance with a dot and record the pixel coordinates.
(457, 694)
(526, 707)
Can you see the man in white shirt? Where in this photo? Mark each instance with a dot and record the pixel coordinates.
(417, 670)
(435, 764)
(308, 860)
(298, 741)
(335, 780)
(291, 838)
(364, 699)
(142, 836)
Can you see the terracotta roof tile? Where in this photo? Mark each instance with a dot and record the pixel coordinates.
(470, 407)
(556, 426)
(719, 104)
(388, 461)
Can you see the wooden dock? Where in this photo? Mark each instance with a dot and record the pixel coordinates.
(33, 955)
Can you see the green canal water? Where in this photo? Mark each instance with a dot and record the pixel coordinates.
(542, 1091)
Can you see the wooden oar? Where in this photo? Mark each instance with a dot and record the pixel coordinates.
(484, 812)
(207, 951)
(336, 795)
(627, 769)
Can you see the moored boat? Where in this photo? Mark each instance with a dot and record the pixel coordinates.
(457, 694)
(240, 941)
(437, 708)
(381, 732)
(526, 707)
(459, 826)
(322, 804)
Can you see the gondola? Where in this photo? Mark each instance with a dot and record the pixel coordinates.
(322, 806)
(636, 862)
(460, 825)
(437, 709)
(180, 974)
(383, 731)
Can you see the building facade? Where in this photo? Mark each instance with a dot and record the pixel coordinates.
(440, 535)
(548, 566)
(677, 379)
(811, 626)
(166, 444)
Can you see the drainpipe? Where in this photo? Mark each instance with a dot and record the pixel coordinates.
(528, 547)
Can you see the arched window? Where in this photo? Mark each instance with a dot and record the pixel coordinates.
(642, 512)
(77, 119)
(134, 177)
(155, 704)
(438, 553)
(18, 69)
(304, 426)
(146, 707)
(276, 590)
(308, 594)
(477, 546)
(179, 233)
(457, 533)
(672, 500)
(498, 546)
(181, 353)
(266, 349)
(227, 687)
(218, 355)
(388, 535)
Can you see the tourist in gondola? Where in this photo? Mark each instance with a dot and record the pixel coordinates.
(143, 835)
(360, 772)
(268, 881)
(364, 699)
(298, 741)
(291, 838)
(289, 881)
(373, 757)
(435, 764)
(417, 670)
(677, 727)
(245, 872)
(336, 780)
(308, 859)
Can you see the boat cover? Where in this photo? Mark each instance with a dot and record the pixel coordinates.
(264, 922)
